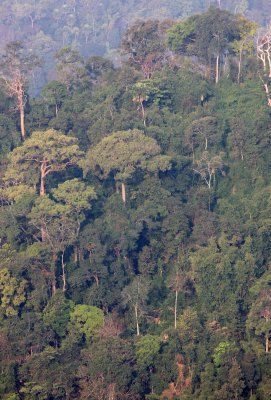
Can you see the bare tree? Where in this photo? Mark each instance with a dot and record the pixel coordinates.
(135, 295)
(15, 67)
(264, 55)
(207, 167)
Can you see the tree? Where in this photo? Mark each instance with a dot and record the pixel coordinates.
(259, 318)
(87, 320)
(54, 94)
(245, 43)
(238, 136)
(147, 92)
(144, 44)
(233, 389)
(15, 68)
(59, 222)
(124, 152)
(33, 10)
(12, 292)
(70, 67)
(56, 314)
(135, 296)
(177, 283)
(207, 36)
(201, 130)
(57, 231)
(207, 167)
(42, 154)
(228, 265)
(147, 347)
(189, 326)
(264, 55)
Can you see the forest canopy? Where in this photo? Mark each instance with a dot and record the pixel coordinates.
(135, 201)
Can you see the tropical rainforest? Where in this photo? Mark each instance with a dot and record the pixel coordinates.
(135, 201)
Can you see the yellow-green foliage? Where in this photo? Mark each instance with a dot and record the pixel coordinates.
(12, 293)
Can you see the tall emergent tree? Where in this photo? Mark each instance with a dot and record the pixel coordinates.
(124, 152)
(144, 44)
(264, 56)
(15, 68)
(208, 36)
(42, 154)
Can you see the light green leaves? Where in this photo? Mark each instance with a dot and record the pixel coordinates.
(122, 153)
(87, 319)
(12, 293)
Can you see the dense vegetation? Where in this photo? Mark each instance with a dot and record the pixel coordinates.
(95, 27)
(135, 218)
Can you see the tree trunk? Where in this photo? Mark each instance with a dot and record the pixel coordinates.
(64, 288)
(217, 70)
(53, 286)
(21, 108)
(117, 187)
(240, 65)
(266, 88)
(54, 259)
(42, 178)
(137, 323)
(143, 113)
(123, 192)
(175, 309)
(42, 193)
(267, 343)
(193, 154)
(96, 278)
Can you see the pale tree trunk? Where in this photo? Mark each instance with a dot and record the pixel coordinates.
(143, 113)
(209, 181)
(54, 274)
(53, 286)
(266, 88)
(64, 288)
(137, 322)
(217, 70)
(240, 65)
(111, 392)
(268, 54)
(21, 109)
(96, 278)
(267, 343)
(42, 193)
(175, 309)
(123, 192)
(42, 178)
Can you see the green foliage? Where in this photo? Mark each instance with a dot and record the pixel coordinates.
(56, 314)
(123, 153)
(147, 347)
(75, 194)
(87, 320)
(12, 293)
(219, 353)
(167, 293)
(42, 154)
